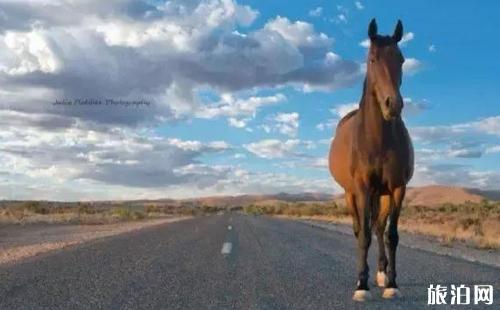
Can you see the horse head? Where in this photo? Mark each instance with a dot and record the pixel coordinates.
(384, 70)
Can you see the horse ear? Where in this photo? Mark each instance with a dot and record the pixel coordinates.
(398, 32)
(372, 29)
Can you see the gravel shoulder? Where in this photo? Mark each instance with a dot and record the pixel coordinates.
(18, 242)
(426, 243)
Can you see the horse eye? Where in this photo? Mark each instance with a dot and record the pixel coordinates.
(372, 61)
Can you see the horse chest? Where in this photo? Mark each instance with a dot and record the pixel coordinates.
(382, 170)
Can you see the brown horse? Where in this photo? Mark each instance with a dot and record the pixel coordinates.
(371, 157)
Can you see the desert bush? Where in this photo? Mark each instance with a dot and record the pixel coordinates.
(85, 208)
(125, 214)
(34, 207)
(297, 209)
(468, 222)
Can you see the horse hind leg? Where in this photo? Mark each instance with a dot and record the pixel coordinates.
(380, 225)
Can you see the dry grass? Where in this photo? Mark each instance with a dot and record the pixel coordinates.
(29, 212)
(475, 223)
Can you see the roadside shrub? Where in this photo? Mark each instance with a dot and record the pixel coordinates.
(125, 214)
(85, 208)
(34, 207)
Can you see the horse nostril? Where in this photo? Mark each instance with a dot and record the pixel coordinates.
(388, 102)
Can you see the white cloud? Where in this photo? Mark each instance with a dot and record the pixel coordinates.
(343, 109)
(273, 148)
(445, 133)
(465, 153)
(407, 37)
(341, 18)
(300, 34)
(365, 43)
(33, 52)
(284, 123)
(493, 149)
(488, 125)
(338, 113)
(238, 123)
(359, 5)
(321, 163)
(165, 53)
(411, 66)
(229, 106)
(412, 107)
(105, 156)
(454, 174)
(316, 12)
(432, 48)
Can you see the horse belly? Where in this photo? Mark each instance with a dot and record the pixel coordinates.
(340, 159)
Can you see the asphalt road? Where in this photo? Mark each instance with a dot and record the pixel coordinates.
(272, 264)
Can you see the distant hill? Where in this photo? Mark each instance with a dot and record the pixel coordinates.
(435, 195)
(431, 196)
(244, 200)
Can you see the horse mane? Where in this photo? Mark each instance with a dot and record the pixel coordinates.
(346, 117)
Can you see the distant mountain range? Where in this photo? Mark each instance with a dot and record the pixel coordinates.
(427, 195)
(434, 195)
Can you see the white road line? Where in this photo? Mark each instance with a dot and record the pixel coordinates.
(226, 248)
(229, 227)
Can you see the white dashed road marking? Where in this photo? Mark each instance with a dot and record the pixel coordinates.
(229, 227)
(226, 248)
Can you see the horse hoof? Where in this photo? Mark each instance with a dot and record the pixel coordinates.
(381, 279)
(362, 295)
(392, 293)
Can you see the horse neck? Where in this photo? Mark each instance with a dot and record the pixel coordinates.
(373, 129)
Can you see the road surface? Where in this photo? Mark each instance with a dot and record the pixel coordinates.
(226, 261)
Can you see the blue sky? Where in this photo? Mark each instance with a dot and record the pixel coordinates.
(244, 94)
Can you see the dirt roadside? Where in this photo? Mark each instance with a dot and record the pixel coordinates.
(18, 242)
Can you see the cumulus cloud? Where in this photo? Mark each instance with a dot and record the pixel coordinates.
(445, 133)
(273, 148)
(238, 123)
(316, 12)
(359, 5)
(454, 174)
(365, 43)
(466, 141)
(493, 149)
(229, 106)
(407, 37)
(343, 109)
(411, 66)
(300, 34)
(338, 113)
(413, 107)
(165, 53)
(108, 155)
(284, 123)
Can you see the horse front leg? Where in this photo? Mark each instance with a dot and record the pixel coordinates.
(380, 225)
(351, 207)
(363, 208)
(392, 240)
